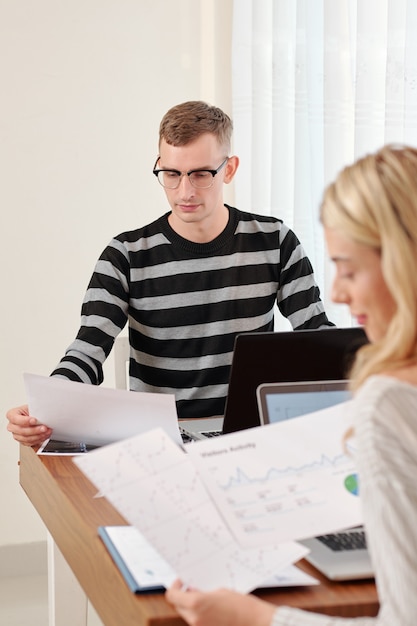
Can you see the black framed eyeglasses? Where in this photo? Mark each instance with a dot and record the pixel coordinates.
(201, 179)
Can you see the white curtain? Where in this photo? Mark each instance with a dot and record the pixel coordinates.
(317, 83)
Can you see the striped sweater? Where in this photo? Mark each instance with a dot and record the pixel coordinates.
(185, 302)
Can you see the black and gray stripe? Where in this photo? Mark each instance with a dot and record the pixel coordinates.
(185, 302)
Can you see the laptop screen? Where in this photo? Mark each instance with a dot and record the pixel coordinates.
(281, 401)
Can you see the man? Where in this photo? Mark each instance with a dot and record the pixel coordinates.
(187, 283)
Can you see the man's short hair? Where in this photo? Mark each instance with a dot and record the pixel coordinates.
(187, 121)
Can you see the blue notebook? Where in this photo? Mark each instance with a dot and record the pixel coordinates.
(143, 569)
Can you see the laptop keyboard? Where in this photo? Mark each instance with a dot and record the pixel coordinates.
(186, 438)
(353, 540)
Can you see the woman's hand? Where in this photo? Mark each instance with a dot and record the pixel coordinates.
(222, 607)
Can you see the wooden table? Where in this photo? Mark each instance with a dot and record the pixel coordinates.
(64, 498)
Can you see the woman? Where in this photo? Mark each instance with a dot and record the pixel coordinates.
(369, 216)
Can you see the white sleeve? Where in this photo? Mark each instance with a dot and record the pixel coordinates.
(287, 616)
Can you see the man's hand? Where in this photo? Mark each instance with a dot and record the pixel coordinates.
(26, 429)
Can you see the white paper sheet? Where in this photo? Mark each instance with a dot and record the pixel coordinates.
(153, 483)
(291, 576)
(96, 415)
(285, 481)
(148, 568)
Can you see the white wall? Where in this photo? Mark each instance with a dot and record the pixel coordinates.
(84, 84)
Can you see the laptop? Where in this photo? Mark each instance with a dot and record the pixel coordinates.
(281, 401)
(323, 354)
(341, 555)
(290, 356)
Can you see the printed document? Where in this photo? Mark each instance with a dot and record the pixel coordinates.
(285, 481)
(153, 483)
(228, 511)
(94, 415)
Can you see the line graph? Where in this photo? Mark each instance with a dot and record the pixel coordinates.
(289, 480)
(274, 473)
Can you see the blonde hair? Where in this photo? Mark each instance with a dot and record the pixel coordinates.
(187, 121)
(374, 202)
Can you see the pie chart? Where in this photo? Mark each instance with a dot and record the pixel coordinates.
(352, 484)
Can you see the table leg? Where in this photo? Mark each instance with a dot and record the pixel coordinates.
(67, 601)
